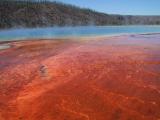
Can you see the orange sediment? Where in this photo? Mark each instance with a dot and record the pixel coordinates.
(114, 78)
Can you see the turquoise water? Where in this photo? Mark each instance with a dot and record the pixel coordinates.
(56, 32)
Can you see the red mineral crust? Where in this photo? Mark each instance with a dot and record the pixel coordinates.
(107, 78)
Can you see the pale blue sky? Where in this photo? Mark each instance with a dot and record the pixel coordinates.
(126, 7)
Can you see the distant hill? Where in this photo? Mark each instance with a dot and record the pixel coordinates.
(27, 13)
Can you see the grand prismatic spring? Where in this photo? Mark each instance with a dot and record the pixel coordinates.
(79, 59)
(92, 78)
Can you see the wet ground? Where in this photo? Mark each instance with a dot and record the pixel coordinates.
(107, 78)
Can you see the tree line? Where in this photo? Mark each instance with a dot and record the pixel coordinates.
(43, 13)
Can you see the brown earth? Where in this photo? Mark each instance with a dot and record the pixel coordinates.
(108, 78)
